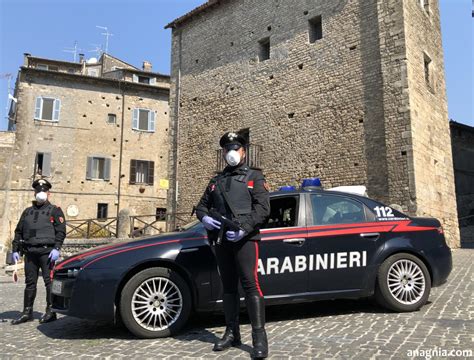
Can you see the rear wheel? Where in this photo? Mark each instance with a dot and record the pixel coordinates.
(403, 283)
(154, 303)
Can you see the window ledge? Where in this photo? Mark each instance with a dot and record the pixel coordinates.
(54, 121)
(145, 131)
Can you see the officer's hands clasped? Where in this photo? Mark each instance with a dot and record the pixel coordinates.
(211, 223)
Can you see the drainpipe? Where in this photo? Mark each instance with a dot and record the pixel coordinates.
(122, 91)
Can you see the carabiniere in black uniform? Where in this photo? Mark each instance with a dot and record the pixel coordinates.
(240, 195)
(39, 236)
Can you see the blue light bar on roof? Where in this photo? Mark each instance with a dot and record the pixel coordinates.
(311, 184)
(287, 188)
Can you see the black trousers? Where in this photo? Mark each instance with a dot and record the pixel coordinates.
(239, 260)
(36, 258)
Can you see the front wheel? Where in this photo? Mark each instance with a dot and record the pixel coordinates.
(403, 283)
(155, 303)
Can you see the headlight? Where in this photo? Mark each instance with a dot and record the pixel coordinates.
(72, 273)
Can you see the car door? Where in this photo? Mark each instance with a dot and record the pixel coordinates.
(283, 248)
(342, 239)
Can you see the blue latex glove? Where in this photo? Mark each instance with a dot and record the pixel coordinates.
(54, 255)
(16, 257)
(211, 223)
(235, 236)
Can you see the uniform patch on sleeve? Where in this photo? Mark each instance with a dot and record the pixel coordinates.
(250, 184)
(61, 219)
(51, 219)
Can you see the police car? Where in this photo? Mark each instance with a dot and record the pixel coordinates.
(318, 244)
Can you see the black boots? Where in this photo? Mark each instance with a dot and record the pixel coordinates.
(28, 301)
(256, 309)
(48, 316)
(232, 332)
(26, 315)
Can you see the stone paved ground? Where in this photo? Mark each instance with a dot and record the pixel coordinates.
(329, 329)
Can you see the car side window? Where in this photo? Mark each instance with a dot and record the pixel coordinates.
(283, 212)
(333, 209)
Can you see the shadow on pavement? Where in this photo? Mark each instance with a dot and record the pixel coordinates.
(196, 329)
(10, 315)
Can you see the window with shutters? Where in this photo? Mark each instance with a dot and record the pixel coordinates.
(141, 172)
(47, 109)
(143, 120)
(98, 168)
(144, 79)
(43, 164)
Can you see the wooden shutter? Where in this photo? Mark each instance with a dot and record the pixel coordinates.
(107, 169)
(135, 78)
(152, 81)
(38, 104)
(135, 119)
(57, 106)
(151, 121)
(133, 171)
(46, 164)
(151, 170)
(89, 168)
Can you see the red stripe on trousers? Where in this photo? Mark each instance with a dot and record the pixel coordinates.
(256, 270)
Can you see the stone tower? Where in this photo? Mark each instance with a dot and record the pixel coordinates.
(352, 91)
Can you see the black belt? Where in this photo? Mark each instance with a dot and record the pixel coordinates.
(40, 245)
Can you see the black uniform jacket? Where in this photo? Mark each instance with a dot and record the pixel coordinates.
(40, 224)
(246, 189)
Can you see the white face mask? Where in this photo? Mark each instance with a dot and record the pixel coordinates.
(41, 197)
(232, 158)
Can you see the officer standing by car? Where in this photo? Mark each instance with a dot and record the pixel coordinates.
(240, 194)
(39, 235)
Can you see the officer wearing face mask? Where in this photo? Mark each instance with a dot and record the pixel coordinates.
(39, 235)
(239, 193)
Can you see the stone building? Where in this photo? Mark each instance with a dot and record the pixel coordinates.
(352, 91)
(462, 137)
(97, 130)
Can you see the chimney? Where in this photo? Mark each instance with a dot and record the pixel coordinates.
(25, 59)
(146, 66)
(81, 58)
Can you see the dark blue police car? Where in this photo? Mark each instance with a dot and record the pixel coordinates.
(318, 244)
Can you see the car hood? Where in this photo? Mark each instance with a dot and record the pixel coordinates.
(82, 258)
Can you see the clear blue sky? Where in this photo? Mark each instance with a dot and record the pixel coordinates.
(45, 28)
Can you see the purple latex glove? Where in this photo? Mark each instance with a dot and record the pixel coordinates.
(54, 255)
(211, 223)
(16, 257)
(235, 236)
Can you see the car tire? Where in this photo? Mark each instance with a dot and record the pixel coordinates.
(155, 303)
(403, 283)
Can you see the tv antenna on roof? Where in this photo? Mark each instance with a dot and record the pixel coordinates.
(97, 49)
(73, 50)
(106, 34)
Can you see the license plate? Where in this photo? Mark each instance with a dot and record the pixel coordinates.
(57, 287)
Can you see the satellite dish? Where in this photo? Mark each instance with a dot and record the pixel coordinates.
(92, 60)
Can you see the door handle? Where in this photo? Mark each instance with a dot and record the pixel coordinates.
(297, 241)
(373, 236)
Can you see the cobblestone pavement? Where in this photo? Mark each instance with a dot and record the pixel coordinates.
(328, 329)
